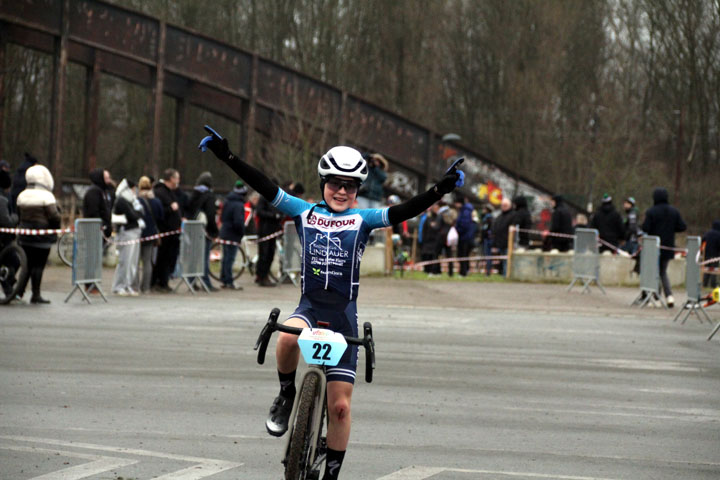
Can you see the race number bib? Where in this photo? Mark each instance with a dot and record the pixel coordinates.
(321, 347)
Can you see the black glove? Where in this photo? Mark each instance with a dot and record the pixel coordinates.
(217, 144)
(447, 183)
(453, 178)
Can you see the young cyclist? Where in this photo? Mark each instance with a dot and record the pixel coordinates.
(333, 235)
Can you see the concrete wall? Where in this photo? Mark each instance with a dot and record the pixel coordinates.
(615, 270)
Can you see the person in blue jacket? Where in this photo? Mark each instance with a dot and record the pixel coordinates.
(233, 230)
(333, 237)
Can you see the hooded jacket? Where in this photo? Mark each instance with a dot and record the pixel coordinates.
(202, 199)
(464, 224)
(18, 182)
(98, 200)
(561, 222)
(609, 224)
(126, 203)
(233, 217)
(37, 207)
(523, 219)
(711, 239)
(663, 220)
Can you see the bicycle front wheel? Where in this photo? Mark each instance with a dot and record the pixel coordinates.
(216, 253)
(65, 248)
(297, 461)
(13, 272)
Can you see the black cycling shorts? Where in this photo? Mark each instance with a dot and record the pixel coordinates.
(341, 321)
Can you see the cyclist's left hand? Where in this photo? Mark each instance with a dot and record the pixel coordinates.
(217, 144)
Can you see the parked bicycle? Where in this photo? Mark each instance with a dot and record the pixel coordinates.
(306, 447)
(13, 271)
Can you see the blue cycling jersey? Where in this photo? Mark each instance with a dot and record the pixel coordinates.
(332, 243)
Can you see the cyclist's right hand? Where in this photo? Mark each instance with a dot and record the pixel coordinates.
(217, 144)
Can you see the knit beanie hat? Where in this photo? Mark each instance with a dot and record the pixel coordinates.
(607, 198)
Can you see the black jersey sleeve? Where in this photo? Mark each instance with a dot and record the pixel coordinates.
(253, 177)
(412, 207)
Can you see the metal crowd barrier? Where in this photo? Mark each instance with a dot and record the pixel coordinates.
(693, 274)
(87, 257)
(649, 272)
(291, 265)
(586, 260)
(192, 255)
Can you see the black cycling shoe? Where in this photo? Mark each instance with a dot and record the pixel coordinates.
(277, 421)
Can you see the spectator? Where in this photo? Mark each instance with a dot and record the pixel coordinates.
(486, 223)
(431, 225)
(5, 180)
(171, 221)
(631, 226)
(581, 221)
(663, 220)
(561, 222)
(466, 229)
(201, 206)
(269, 222)
(711, 244)
(152, 215)
(233, 230)
(19, 182)
(522, 219)
(127, 239)
(7, 220)
(500, 227)
(251, 220)
(609, 225)
(99, 199)
(449, 217)
(37, 209)
(371, 192)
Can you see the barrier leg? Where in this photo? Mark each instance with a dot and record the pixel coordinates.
(572, 284)
(682, 309)
(602, 289)
(717, 327)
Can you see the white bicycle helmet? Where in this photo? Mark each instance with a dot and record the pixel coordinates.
(344, 161)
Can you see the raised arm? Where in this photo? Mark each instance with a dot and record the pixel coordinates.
(251, 175)
(419, 203)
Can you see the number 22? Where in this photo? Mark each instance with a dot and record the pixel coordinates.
(318, 347)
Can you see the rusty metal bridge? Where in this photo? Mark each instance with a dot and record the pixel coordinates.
(196, 70)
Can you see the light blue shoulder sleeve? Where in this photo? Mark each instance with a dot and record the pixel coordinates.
(289, 205)
(375, 217)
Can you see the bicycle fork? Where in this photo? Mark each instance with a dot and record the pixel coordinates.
(318, 415)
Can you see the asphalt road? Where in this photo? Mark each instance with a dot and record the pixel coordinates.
(473, 381)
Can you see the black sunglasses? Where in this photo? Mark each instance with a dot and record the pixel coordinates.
(335, 185)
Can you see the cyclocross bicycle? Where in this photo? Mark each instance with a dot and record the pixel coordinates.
(306, 447)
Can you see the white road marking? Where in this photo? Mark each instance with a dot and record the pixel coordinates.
(99, 464)
(204, 466)
(420, 473)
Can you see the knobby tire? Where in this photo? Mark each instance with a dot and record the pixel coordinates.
(240, 259)
(14, 271)
(297, 457)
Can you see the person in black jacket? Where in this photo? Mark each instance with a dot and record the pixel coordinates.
(201, 206)
(431, 226)
(500, 227)
(99, 199)
(233, 230)
(269, 222)
(664, 221)
(172, 220)
(18, 182)
(711, 242)
(609, 224)
(523, 219)
(561, 222)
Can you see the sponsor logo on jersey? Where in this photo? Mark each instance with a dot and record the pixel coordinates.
(331, 223)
